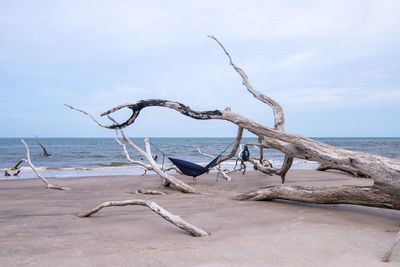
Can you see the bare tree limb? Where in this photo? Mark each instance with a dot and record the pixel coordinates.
(235, 147)
(346, 194)
(174, 219)
(276, 108)
(28, 160)
(45, 153)
(389, 252)
(146, 154)
(347, 169)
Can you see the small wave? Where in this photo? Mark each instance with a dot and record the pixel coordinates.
(114, 164)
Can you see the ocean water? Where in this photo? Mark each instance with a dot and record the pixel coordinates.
(76, 157)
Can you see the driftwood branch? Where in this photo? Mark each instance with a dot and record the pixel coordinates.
(174, 219)
(346, 194)
(279, 118)
(235, 147)
(346, 169)
(29, 162)
(389, 252)
(148, 192)
(14, 171)
(276, 108)
(45, 153)
(178, 184)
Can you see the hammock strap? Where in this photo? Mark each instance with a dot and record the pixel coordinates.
(227, 147)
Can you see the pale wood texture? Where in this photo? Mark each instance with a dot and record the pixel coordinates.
(38, 174)
(171, 180)
(389, 252)
(174, 219)
(149, 192)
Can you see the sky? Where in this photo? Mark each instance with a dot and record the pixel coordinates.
(333, 65)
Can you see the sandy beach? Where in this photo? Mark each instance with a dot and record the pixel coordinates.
(40, 227)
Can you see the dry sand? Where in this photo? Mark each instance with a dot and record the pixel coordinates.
(40, 227)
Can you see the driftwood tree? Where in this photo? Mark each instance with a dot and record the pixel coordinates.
(385, 172)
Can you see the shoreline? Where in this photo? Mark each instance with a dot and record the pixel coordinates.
(40, 227)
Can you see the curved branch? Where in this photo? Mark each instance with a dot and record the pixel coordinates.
(279, 115)
(28, 160)
(174, 219)
(138, 106)
(146, 154)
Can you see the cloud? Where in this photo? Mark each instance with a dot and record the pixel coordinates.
(338, 98)
(308, 55)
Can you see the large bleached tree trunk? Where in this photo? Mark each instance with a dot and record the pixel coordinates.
(385, 172)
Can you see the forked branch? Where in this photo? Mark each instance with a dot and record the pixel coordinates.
(174, 219)
(146, 154)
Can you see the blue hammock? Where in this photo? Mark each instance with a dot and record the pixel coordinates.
(193, 169)
(189, 168)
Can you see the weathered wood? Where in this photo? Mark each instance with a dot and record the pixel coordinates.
(384, 171)
(45, 153)
(171, 180)
(174, 219)
(279, 115)
(347, 169)
(149, 192)
(389, 252)
(235, 147)
(38, 174)
(346, 194)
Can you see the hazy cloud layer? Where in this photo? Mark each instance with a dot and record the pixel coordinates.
(327, 62)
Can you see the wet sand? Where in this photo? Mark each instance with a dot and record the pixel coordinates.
(40, 227)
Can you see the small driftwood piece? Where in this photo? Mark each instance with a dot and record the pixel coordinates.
(14, 171)
(389, 252)
(45, 153)
(174, 219)
(29, 162)
(148, 192)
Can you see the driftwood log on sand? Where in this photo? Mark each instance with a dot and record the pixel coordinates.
(174, 219)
